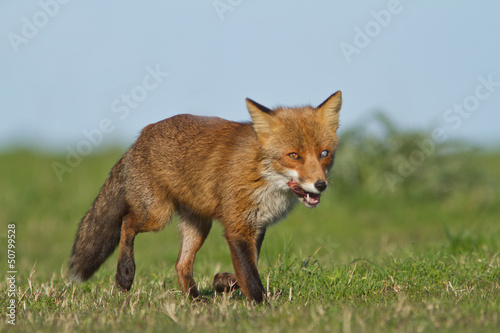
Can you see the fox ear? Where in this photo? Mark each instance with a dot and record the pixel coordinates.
(330, 109)
(262, 118)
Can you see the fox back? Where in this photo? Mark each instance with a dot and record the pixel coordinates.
(221, 168)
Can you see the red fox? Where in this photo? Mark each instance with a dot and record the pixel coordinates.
(246, 175)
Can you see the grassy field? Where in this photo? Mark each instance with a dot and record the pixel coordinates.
(395, 246)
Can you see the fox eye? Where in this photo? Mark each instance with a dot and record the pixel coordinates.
(294, 156)
(324, 154)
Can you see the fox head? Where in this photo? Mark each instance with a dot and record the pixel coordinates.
(298, 145)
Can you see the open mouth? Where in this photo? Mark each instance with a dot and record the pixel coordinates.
(309, 199)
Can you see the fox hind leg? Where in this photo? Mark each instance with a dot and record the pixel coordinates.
(194, 230)
(125, 269)
(135, 222)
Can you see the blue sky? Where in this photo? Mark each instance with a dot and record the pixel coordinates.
(100, 71)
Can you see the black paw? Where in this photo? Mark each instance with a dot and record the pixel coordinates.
(125, 274)
(225, 282)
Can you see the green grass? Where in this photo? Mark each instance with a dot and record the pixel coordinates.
(423, 257)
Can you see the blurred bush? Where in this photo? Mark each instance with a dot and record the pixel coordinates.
(378, 158)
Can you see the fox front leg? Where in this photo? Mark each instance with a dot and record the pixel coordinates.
(228, 282)
(245, 254)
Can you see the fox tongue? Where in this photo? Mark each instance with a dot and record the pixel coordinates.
(312, 199)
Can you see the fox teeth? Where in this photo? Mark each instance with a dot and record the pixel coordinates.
(307, 198)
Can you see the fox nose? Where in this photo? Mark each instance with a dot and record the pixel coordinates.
(320, 185)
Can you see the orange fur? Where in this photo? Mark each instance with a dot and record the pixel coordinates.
(246, 175)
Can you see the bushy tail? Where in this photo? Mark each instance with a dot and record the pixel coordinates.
(99, 231)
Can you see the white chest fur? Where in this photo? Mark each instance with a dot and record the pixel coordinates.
(274, 201)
